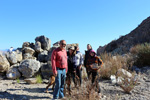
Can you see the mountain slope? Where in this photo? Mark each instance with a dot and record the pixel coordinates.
(139, 35)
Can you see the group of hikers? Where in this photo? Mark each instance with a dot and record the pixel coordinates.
(69, 64)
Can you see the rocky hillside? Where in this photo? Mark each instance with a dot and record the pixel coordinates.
(122, 45)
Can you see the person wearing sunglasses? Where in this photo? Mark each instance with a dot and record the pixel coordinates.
(60, 68)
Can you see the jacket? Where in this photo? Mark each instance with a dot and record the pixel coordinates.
(92, 60)
(87, 55)
(59, 59)
(78, 59)
(70, 62)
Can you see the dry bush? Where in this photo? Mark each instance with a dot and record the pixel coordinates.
(128, 83)
(85, 92)
(141, 54)
(112, 64)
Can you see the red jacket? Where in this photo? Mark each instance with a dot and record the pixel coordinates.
(59, 59)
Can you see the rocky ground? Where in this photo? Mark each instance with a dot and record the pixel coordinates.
(113, 92)
(11, 90)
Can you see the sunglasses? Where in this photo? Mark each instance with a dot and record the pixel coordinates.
(63, 44)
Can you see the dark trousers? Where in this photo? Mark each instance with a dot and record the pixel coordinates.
(94, 79)
(79, 74)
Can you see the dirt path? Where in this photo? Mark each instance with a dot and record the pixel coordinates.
(10, 89)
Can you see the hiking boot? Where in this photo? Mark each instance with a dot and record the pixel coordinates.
(64, 98)
(99, 95)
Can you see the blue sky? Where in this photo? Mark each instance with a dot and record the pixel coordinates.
(95, 22)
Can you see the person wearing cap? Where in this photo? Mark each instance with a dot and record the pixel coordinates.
(78, 59)
(93, 59)
(71, 70)
(87, 55)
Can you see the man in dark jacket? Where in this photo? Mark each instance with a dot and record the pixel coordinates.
(87, 55)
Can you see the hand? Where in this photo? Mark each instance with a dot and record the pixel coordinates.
(55, 74)
(80, 67)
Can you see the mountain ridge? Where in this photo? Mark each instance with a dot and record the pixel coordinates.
(139, 35)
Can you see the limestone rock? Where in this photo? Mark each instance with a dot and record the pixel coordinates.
(12, 57)
(42, 57)
(38, 47)
(25, 44)
(50, 53)
(4, 64)
(46, 70)
(31, 80)
(45, 42)
(124, 72)
(28, 50)
(13, 72)
(27, 56)
(29, 67)
(73, 44)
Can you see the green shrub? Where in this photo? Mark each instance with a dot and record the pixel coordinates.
(18, 80)
(142, 54)
(39, 79)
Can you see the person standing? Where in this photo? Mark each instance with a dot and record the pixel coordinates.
(60, 68)
(10, 50)
(93, 59)
(78, 59)
(87, 55)
(71, 70)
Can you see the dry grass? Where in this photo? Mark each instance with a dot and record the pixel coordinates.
(112, 64)
(87, 91)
